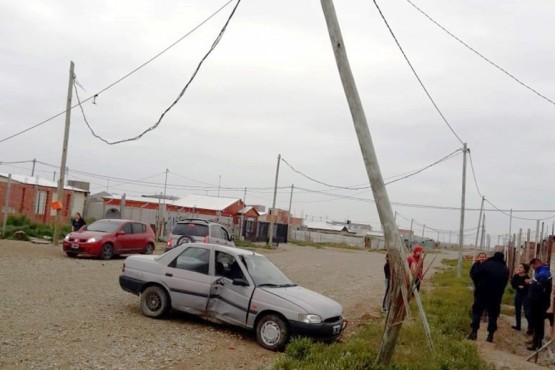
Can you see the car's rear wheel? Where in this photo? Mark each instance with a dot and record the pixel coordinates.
(272, 332)
(107, 251)
(149, 248)
(154, 302)
(184, 239)
(71, 254)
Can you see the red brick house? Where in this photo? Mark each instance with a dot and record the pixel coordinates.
(32, 197)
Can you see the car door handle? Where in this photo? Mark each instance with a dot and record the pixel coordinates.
(168, 274)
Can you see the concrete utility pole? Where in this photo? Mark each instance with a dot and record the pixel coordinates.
(423, 231)
(398, 305)
(271, 229)
(478, 228)
(33, 170)
(61, 180)
(290, 202)
(461, 235)
(7, 204)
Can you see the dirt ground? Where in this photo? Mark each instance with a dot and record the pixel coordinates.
(63, 313)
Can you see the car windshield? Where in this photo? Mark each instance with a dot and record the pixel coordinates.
(103, 226)
(264, 272)
(190, 229)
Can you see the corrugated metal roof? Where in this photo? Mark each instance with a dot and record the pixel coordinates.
(205, 202)
(190, 201)
(40, 182)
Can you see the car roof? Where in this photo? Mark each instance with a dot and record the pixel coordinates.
(192, 220)
(218, 247)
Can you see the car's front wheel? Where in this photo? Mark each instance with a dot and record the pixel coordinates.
(149, 248)
(107, 251)
(154, 302)
(272, 332)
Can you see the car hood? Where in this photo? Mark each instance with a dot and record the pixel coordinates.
(88, 234)
(312, 302)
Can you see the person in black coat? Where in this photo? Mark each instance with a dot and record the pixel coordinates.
(490, 279)
(519, 284)
(77, 222)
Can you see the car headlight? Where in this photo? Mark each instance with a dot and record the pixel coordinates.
(94, 239)
(310, 318)
(66, 238)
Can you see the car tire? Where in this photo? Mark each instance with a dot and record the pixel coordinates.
(149, 248)
(272, 332)
(154, 302)
(183, 240)
(107, 251)
(71, 254)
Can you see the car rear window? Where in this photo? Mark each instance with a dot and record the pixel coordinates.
(191, 229)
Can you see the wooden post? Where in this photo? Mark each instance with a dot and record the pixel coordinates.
(7, 204)
(398, 305)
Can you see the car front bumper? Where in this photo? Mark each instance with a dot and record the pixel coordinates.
(82, 248)
(322, 331)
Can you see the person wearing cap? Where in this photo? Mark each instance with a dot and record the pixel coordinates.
(490, 279)
(416, 265)
(539, 295)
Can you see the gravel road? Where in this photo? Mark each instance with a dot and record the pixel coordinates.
(64, 313)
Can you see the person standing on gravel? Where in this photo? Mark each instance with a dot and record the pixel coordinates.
(77, 222)
(387, 274)
(539, 295)
(490, 279)
(518, 282)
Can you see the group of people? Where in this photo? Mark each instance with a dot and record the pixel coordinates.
(490, 277)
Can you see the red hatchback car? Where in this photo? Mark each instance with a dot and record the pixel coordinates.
(109, 237)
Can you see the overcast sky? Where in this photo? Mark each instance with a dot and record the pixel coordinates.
(271, 86)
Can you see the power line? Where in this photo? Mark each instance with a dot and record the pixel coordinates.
(480, 55)
(122, 78)
(180, 95)
(416, 75)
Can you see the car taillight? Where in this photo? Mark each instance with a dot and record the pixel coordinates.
(123, 267)
(205, 239)
(169, 243)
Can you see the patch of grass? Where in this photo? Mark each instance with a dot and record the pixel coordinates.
(16, 223)
(447, 308)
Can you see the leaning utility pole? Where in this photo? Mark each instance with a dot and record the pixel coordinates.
(61, 180)
(273, 212)
(461, 230)
(398, 305)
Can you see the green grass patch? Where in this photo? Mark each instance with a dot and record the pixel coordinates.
(447, 308)
(18, 223)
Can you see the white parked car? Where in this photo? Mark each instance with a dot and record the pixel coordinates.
(231, 285)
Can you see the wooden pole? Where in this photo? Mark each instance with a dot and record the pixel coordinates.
(7, 204)
(478, 228)
(273, 215)
(398, 305)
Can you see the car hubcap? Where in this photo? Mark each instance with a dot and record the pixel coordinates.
(270, 333)
(153, 302)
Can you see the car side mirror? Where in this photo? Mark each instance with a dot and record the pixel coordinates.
(240, 282)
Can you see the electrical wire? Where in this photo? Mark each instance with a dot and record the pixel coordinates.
(179, 96)
(122, 78)
(416, 74)
(481, 55)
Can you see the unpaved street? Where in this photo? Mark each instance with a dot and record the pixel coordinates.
(58, 312)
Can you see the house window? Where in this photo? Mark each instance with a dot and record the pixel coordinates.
(40, 202)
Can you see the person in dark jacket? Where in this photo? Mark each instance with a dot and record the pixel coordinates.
(77, 222)
(490, 279)
(387, 274)
(539, 296)
(518, 282)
